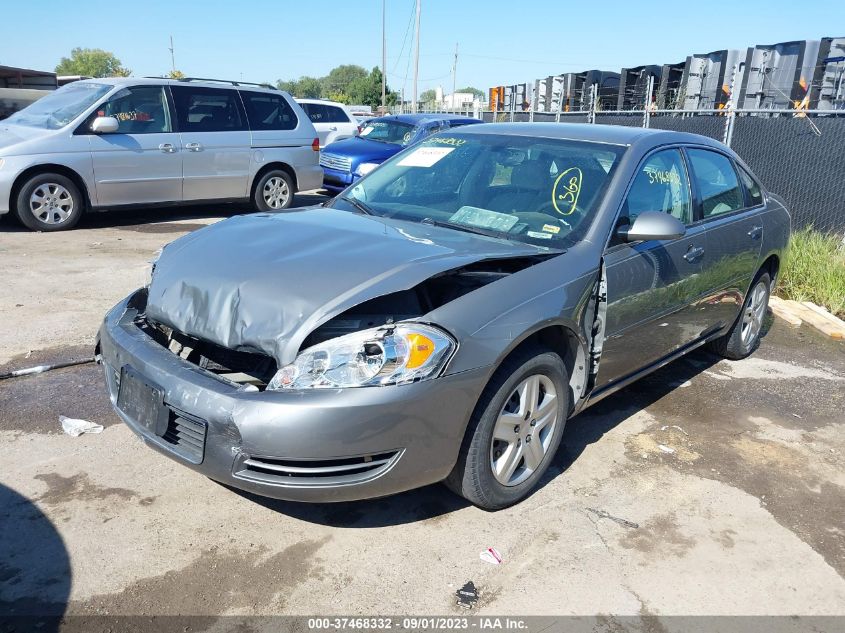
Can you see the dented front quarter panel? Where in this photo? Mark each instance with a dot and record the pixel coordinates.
(491, 321)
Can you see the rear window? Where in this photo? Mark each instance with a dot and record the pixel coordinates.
(324, 113)
(268, 112)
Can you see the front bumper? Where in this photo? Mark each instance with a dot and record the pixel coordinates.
(336, 181)
(311, 445)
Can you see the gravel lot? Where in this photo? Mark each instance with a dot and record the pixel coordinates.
(745, 515)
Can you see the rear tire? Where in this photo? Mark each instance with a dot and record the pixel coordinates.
(273, 191)
(744, 337)
(514, 432)
(49, 202)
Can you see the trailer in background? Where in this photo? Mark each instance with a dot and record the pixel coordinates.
(20, 86)
(827, 92)
(633, 86)
(706, 82)
(778, 76)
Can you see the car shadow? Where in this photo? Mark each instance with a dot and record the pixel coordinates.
(35, 572)
(139, 217)
(431, 502)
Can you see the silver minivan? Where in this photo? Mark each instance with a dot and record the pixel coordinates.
(117, 142)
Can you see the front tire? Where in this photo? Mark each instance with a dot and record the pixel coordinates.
(49, 202)
(273, 191)
(514, 432)
(744, 337)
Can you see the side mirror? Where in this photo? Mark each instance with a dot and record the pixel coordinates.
(105, 125)
(653, 225)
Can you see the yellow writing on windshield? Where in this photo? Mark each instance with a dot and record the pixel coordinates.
(448, 140)
(566, 190)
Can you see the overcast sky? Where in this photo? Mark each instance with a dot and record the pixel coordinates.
(500, 42)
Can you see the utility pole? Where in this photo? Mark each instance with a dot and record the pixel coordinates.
(455, 77)
(172, 56)
(383, 59)
(416, 56)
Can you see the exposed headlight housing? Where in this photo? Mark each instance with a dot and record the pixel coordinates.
(388, 355)
(365, 168)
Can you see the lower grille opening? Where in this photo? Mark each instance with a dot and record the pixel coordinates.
(314, 471)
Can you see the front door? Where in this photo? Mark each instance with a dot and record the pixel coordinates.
(731, 211)
(215, 142)
(652, 286)
(142, 161)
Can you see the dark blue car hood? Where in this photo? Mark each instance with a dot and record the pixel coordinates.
(361, 150)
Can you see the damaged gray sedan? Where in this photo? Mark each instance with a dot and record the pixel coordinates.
(443, 318)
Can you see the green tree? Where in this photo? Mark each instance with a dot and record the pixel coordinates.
(428, 96)
(341, 77)
(478, 94)
(305, 87)
(93, 62)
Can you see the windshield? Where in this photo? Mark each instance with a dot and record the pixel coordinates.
(61, 107)
(536, 190)
(394, 132)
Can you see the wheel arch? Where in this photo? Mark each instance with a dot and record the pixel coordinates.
(290, 171)
(47, 168)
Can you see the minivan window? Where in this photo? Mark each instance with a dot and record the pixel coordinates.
(138, 110)
(388, 131)
(207, 109)
(716, 181)
(268, 112)
(59, 108)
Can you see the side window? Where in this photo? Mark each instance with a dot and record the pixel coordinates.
(716, 181)
(315, 111)
(752, 187)
(268, 112)
(661, 184)
(336, 115)
(207, 109)
(138, 110)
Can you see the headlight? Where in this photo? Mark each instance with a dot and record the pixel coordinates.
(389, 355)
(366, 168)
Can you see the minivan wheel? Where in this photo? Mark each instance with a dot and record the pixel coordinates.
(49, 202)
(744, 337)
(514, 432)
(274, 191)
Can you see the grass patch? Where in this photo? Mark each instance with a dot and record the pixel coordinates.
(814, 270)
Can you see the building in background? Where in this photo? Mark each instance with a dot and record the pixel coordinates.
(20, 86)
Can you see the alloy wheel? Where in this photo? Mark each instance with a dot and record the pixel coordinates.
(753, 314)
(51, 203)
(524, 429)
(276, 192)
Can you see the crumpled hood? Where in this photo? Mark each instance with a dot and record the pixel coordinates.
(263, 282)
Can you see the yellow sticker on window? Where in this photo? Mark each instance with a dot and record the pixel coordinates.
(448, 140)
(551, 228)
(566, 190)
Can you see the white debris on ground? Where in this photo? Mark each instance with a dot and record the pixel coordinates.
(75, 427)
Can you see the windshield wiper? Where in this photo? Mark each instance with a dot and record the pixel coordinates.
(361, 206)
(468, 228)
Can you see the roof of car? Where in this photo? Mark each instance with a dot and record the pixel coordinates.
(157, 81)
(596, 133)
(430, 116)
(325, 101)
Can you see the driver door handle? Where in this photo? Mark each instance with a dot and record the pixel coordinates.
(693, 253)
(167, 148)
(193, 147)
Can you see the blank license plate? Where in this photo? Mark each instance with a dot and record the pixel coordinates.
(142, 400)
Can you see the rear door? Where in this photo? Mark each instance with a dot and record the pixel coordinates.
(215, 142)
(142, 161)
(652, 286)
(731, 212)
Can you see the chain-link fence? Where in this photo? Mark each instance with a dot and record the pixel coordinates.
(798, 155)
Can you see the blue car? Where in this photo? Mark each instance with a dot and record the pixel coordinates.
(348, 160)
